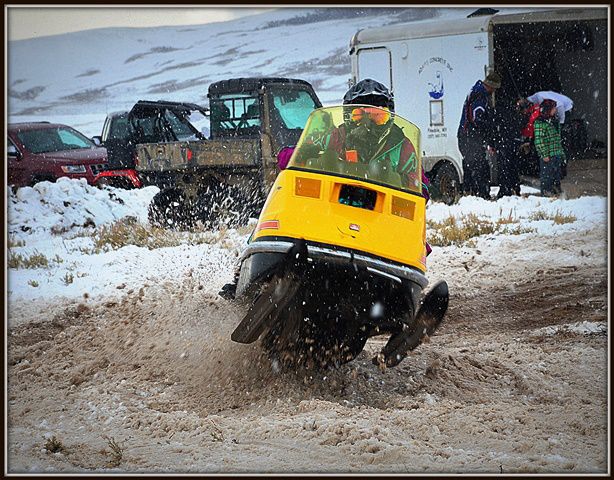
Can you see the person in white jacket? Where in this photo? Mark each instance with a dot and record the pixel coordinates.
(563, 103)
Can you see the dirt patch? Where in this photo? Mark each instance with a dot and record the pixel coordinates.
(586, 176)
(156, 375)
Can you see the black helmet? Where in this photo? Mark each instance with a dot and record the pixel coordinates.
(369, 92)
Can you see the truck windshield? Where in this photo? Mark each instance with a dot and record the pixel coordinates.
(289, 109)
(292, 107)
(363, 142)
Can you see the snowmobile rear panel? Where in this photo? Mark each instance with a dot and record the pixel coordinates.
(386, 222)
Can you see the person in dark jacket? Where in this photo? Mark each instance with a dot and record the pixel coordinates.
(475, 132)
(508, 122)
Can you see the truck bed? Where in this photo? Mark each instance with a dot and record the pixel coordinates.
(161, 157)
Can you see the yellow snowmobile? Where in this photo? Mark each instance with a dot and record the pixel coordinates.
(339, 251)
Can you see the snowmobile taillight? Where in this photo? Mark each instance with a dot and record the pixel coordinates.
(188, 154)
(307, 187)
(268, 225)
(403, 208)
(355, 196)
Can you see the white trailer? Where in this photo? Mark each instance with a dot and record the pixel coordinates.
(431, 66)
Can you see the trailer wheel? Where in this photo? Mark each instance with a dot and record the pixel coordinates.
(169, 209)
(446, 184)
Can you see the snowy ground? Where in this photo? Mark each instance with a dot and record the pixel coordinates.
(49, 219)
(131, 346)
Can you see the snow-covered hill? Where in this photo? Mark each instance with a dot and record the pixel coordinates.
(77, 78)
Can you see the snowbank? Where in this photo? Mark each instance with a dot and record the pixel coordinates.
(59, 221)
(68, 204)
(581, 328)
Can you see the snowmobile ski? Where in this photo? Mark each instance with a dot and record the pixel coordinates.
(266, 308)
(271, 301)
(430, 314)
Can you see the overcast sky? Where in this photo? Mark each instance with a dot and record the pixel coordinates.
(28, 22)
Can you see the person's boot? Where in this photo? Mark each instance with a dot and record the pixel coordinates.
(485, 195)
(503, 192)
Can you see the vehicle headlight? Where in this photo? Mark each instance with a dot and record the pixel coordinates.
(73, 168)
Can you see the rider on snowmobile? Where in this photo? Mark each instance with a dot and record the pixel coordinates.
(370, 135)
(333, 218)
(374, 134)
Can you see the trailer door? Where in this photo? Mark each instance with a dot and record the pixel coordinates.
(375, 63)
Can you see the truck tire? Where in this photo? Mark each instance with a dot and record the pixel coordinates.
(445, 186)
(168, 209)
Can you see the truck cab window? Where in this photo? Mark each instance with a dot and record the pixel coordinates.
(289, 111)
(120, 128)
(235, 114)
(180, 126)
(151, 130)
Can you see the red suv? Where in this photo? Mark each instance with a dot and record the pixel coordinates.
(47, 151)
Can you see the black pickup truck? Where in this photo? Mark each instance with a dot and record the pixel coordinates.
(146, 122)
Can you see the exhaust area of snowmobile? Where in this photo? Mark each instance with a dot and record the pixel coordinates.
(339, 254)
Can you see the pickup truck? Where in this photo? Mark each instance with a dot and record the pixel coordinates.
(146, 122)
(224, 178)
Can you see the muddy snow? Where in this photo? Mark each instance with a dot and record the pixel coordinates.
(147, 379)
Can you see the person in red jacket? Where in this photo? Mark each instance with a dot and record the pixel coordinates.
(531, 112)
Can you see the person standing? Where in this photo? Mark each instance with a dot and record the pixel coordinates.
(507, 140)
(529, 160)
(563, 103)
(549, 148)
(475, 133)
